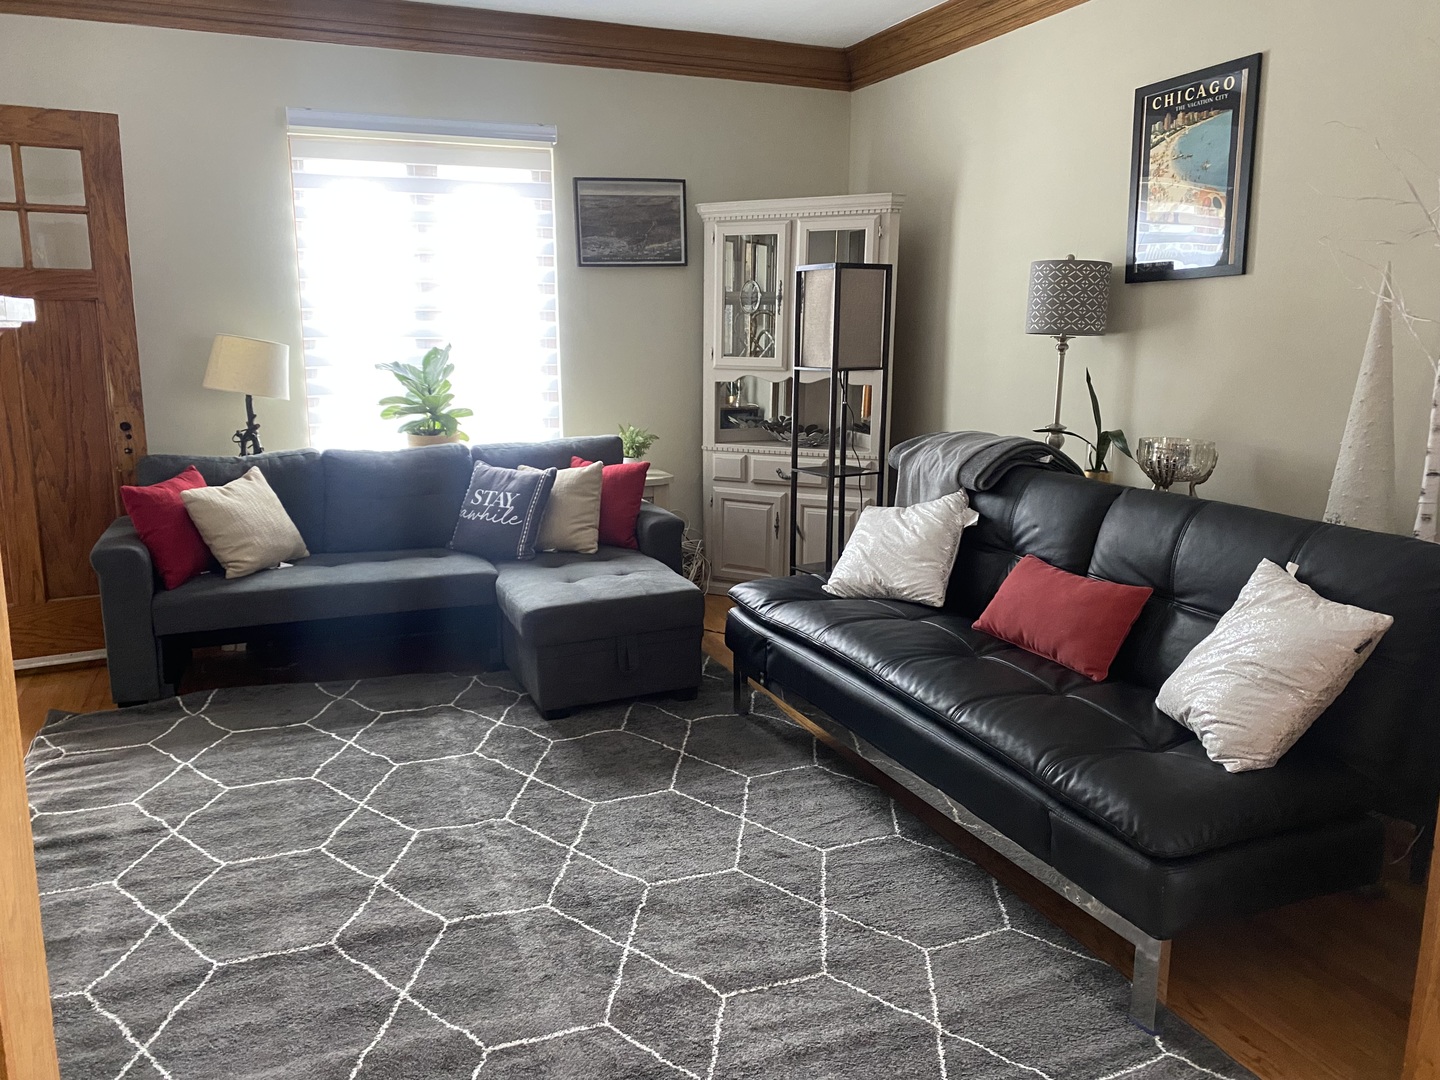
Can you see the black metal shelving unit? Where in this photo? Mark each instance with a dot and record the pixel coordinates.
(836, 470)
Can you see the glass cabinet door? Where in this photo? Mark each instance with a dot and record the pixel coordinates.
(753, 267)
(829, 240)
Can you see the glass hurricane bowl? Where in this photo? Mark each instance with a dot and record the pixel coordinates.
(1168, 460)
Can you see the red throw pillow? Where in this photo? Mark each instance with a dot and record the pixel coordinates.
(1077, 621)
(622, 490)
(164, 525)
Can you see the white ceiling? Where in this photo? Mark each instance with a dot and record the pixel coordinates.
(839, 23)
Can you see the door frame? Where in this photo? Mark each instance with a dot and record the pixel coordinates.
(27, 1025)
(71, 623)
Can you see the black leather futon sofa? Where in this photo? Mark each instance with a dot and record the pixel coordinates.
(1090, 779)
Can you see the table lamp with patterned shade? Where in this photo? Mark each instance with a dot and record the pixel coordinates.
(254, 368)
(1068, 298)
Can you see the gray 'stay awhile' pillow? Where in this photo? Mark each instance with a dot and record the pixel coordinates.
(500, 517)
(1274, 662)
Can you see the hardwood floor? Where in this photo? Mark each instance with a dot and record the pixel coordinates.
(78, 688)
(1314, 991)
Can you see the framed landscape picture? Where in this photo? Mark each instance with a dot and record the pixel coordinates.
(630, 222)
(1190, 173)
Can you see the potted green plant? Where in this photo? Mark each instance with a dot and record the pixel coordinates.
(427, 397)
(635, 442)
(1104, 440)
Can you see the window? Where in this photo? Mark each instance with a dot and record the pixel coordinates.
(416, 234)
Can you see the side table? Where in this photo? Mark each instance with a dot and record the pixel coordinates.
(657, 487)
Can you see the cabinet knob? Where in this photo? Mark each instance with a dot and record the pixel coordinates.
(777, 524)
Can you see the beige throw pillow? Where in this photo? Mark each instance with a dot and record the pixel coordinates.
(244, 525)
(572, 515)
(1274, 662)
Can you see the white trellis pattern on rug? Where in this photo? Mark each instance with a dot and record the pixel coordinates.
(420, 876)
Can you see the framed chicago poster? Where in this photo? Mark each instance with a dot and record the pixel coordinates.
(1190, 173)
(625, 222)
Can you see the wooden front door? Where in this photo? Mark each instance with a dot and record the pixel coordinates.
(71, 425)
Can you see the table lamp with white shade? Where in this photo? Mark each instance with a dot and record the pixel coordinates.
(1068, 298)
(254, 368)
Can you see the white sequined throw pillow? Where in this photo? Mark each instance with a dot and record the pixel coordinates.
(1274, 662)
(903, 552)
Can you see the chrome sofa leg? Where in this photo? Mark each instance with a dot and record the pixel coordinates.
(1151, 973)
(742, 692)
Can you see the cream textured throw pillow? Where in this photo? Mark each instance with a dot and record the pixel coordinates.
(903, 552)
(571, 521)
(244, 525)
(1274, 662)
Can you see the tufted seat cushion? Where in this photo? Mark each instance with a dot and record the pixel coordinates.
(326, 586)
(560, 596)
(1102, 749)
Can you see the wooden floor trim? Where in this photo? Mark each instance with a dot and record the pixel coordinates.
(464, 31)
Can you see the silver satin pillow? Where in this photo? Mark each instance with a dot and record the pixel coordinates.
(1274, 662)
(903, 552)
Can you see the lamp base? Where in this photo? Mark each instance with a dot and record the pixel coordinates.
(248, 437)
(1056, 438)
(1056, 435)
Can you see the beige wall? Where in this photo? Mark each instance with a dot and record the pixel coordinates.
(211, 232)
(1019, 149)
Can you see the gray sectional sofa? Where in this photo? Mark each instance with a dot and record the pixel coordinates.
(574, 628)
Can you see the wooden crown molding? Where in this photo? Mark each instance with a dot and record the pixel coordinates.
(463, 31)
(941, 31)
(438, 28)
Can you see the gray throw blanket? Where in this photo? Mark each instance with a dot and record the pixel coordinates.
(942, 463)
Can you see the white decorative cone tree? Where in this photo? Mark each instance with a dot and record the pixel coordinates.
(1425, 512)
(1362, 492)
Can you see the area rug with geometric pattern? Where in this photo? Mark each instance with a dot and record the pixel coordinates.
(420, 878)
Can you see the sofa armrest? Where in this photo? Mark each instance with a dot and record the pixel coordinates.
(127, 588)
(659, 533)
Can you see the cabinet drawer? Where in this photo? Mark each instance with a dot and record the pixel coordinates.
(733, 467)
(774, 470)
(777, 471)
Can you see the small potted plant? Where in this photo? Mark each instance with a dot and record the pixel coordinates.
(427, 397)
(635, 442)
(1104, 440)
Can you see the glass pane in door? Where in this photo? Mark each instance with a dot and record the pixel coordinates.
(751, 275)
(850, 245)
(11, 253)
(60, 241)
(834, 245)
(53, 177)
(7, 175)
